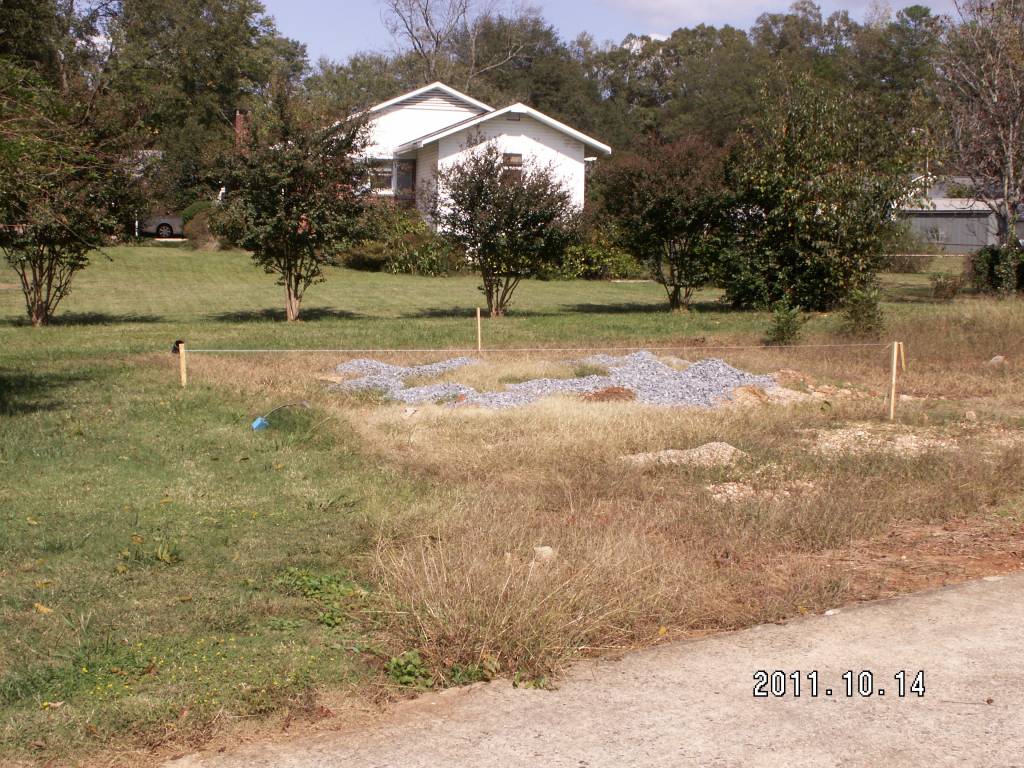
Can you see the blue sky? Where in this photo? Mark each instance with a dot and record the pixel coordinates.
(339, 28)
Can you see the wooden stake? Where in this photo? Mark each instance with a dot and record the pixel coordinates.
(182, 364)
(892, 383)
(479, 332)
(903, 357)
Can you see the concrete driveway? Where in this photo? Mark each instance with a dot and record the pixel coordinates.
(692, 703)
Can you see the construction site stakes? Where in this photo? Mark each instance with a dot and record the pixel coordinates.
(479, 332)
(892, 383)
(182, 364)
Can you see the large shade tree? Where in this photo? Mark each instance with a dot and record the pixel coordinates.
(816, 181)
(181, 71)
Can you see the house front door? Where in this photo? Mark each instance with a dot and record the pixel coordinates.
(405, 181)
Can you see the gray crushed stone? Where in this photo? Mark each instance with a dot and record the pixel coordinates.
(703, 384)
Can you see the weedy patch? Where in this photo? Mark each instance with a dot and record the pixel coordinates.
(161, 554)
(335, 595)
(467, 674)
(410, 671)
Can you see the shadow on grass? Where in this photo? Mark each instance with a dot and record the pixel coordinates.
(90, 318)
(913, 294)
(261, 315)
(637, 308)
(464, 312)
(23, 393)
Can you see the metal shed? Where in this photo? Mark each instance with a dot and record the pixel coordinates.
(956, 225)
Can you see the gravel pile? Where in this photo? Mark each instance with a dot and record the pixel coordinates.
(390, 379)
(704, 384)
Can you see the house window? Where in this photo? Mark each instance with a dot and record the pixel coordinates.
(380, 176)
(513, 165)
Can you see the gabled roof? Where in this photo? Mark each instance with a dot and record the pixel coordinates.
(517, 109)
(433, 87)
(945, 205)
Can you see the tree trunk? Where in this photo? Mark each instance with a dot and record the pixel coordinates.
(491, 294)
(675, 299)
(292, 300)
(38, 314)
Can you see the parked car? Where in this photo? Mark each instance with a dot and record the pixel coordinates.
(161, 226)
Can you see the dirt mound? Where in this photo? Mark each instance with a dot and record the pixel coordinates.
(859, 438)
(707, 455)
(725, 493)
(608, 395)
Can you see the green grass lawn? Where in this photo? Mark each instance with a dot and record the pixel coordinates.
(164, 567)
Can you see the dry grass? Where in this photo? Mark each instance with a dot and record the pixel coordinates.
(641, 555)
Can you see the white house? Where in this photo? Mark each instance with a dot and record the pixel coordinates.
(414, 135)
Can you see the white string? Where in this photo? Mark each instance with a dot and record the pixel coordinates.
(471, 350)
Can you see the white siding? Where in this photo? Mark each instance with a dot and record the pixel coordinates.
(415, 117)
(426, 176)
(536, 142)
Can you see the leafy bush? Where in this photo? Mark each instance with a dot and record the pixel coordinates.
(598, 258)
(945, 287)
(199, 235)
(908, 263)
(397, 240)
(191, 210)
(787, 325)
(996, 269)
(292, 235)
(422, 254)
(862, 314)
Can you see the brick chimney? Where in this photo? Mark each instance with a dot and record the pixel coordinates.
(241, 128)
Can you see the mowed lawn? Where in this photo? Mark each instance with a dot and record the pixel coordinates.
(166, 573)
(141, 299)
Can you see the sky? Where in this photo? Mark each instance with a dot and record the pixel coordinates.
(338, 28)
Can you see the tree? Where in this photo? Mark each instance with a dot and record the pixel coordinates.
(295, 193)
(668, 205)
(361, 81)
(816, 179)
(457, 40)
(62, 192)
(512, 223)
(182, 70)
(981, 72)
